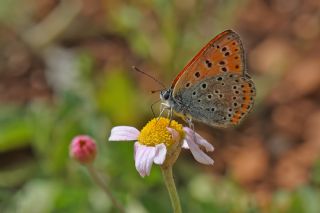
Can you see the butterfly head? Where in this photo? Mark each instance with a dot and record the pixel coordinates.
(166, 95)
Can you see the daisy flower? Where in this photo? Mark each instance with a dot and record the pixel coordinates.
(161, 144)
(157, 143)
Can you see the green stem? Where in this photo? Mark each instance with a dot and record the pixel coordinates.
(171, 187)
(97, 179)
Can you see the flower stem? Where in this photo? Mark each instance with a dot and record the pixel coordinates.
(171, 187)
(97, 179)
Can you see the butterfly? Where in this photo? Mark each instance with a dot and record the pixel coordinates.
(214, 87)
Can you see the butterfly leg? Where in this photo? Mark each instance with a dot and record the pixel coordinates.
(189, 121)
(164, 107)
(191, 126)
(170, 116)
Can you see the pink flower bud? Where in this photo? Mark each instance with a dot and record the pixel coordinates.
(83, 149)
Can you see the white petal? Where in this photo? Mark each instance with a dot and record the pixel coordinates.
(185, 144)
(199, 140)
(160, 156)
(124, 133)
(144, 156)
(135, 147)
(197, 153)
(174, 133)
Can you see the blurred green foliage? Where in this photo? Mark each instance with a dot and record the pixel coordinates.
(51, 182)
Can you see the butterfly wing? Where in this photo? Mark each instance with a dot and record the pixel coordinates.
(218, 70)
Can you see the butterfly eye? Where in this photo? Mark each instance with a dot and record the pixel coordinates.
(166, 95)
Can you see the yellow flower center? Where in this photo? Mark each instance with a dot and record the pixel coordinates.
(156, 132)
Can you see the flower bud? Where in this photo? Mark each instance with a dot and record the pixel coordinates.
(83, 149)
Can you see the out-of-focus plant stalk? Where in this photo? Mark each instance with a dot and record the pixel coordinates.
(97, 179)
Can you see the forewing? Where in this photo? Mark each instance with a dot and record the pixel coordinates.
(222, 54)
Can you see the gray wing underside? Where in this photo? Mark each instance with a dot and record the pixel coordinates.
(212, 101)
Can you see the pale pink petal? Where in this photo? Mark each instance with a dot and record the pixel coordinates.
(199, 140)
(185, 145)
(144, 156)
(124, 133)
(197, 153)
(174, 133)
(160, 156)
(135, 147)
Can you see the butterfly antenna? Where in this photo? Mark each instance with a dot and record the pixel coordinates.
(150, 76)
(154, 91)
